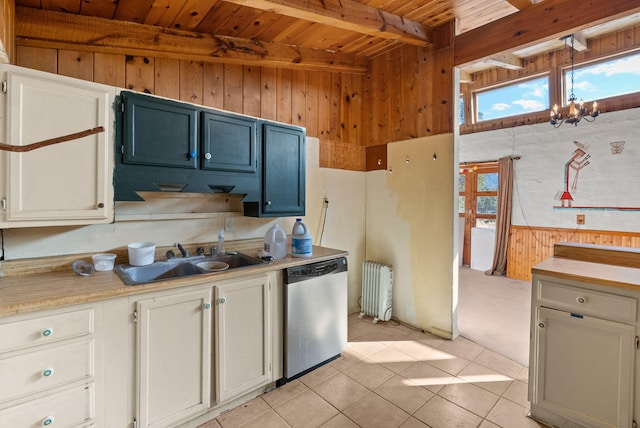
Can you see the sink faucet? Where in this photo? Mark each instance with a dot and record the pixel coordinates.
(184, 252)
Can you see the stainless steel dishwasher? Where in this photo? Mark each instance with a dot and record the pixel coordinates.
(315, 317)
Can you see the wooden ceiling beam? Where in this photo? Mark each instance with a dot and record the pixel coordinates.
(520, 4)
(348, 15)
(37, 27)
(507, 61)
(540, 22)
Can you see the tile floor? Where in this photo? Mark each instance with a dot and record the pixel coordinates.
(393, 376)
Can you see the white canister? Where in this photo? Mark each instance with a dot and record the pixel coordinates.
(275, 242)
(141, 253)
(301, 242)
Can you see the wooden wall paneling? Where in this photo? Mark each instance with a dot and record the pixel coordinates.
(7, 31)
(356, 106)
(298, 97)
(233, 87)
(167, 78)
(394, 113)
(140, 73)
(43, 59)
(283, 90)
(109, 69)
(191, 81)
(213, 85)
(376, 102)
(268, 93)
(251, 90)
(324, 106)
(335, 113)
(346, 115)
(529, 246)
(76, 64)
(312, 79)
(442, 78)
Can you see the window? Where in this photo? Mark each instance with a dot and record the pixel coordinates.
(487, 199)
(525, 96)
(610, 78)
(461, 110)
(461, 193)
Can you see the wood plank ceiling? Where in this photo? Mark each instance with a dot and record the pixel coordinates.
(318, 33)
(370, 27)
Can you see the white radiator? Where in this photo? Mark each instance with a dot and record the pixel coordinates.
(377, 283)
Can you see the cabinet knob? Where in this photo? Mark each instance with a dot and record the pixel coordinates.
(192, 155)
(47, 372)
(47, 421)
(207, 156)
(581, 300)
(207, 305)
(222, 300)
(541, 324)
(100, 205)
(47, 332)
(268, 202)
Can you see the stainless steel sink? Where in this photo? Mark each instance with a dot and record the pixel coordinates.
(181, 267)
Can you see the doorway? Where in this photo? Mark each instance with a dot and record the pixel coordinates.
(477, 200)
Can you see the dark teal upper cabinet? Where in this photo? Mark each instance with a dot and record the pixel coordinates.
(159, 133)
(283, 173)
(165, 145)
(229, 143)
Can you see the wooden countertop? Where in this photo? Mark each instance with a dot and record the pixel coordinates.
(596, 264)
(46, 290)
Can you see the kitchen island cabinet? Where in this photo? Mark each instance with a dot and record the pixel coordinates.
(68, 183)
(584, 360)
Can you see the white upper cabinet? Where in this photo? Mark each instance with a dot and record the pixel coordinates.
(67, 183)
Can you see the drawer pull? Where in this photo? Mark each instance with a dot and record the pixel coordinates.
(47, 332)
(581, 300)
(541, 324)
(47, 421)
(47, 372)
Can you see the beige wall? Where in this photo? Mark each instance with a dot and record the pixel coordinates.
(410, 225)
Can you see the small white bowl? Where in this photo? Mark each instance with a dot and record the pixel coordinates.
(141, 253)
(103, 262)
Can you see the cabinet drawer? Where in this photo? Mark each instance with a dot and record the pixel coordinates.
(69, 408)
(587, 302)
(36, 331)
(35, 371)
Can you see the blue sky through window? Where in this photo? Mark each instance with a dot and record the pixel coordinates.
(596, 81)
(523, 97)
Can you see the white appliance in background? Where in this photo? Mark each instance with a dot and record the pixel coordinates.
(315, 317)
(482, 242)
(377, 285)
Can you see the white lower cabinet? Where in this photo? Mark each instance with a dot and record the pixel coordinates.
(173, 357)
(50, 368)
(583, 355)
(242, 336)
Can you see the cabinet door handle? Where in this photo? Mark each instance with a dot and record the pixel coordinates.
(192, 155)
(47, 332)
(581, 300)
(207, 156)
(268, 202)
(47, 421)
(100, 205)
(207, 305)
(47, 372)
(541, 324)
(222, 300)
(4, 204)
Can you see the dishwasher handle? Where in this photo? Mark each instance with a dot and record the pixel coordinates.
(314, 270)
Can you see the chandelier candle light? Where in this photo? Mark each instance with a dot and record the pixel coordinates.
(576, 113)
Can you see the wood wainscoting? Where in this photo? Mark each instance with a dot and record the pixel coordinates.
(529, 246)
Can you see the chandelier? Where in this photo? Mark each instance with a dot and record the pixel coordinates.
(576, 112)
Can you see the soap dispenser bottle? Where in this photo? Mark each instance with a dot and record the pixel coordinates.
(220, 249)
